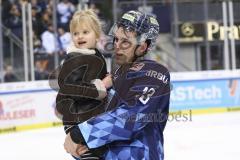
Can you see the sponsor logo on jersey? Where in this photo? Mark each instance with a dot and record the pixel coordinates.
(157, 75)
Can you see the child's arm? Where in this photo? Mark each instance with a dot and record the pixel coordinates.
(78, 77)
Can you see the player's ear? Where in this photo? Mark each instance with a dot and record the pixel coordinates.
(141, 49)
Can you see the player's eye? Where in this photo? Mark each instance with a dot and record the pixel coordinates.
(125, 44)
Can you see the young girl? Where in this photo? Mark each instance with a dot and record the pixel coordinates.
(82, 92)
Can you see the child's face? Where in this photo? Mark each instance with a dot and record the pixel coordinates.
(84, 37)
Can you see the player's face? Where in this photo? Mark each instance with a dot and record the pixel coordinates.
(124, 46)
(84, 37)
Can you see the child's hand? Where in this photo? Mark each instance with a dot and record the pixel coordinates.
(81, 149)
(107, 81)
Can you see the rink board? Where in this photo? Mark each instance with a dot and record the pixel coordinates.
(27, 105)
(206, 95)
(30, 105)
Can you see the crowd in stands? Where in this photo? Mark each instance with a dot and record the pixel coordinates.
(46, 43)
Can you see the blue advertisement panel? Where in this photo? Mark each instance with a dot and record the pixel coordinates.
(203, 94)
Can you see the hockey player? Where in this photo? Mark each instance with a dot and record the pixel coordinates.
(133, 126)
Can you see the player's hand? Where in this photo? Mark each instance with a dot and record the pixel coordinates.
(107, 81)
(81, 149)
(70, 146)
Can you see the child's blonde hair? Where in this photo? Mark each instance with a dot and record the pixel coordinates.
(86, 17)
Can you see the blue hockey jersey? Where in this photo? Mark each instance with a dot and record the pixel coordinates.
(132, 126)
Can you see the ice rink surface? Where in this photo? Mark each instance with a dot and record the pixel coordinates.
(206, 137)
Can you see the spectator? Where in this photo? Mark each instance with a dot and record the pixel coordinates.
(38, 26)
(9, 75)
(65, 10)
(49, 41)
(14, 22)
(40, 72)
(6, 7)
(37, 45)
(41, 5)
(64, 39)
(94, 8)
(49, 8)
(46, 19)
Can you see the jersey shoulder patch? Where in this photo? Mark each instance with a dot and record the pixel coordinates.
(137, 66)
